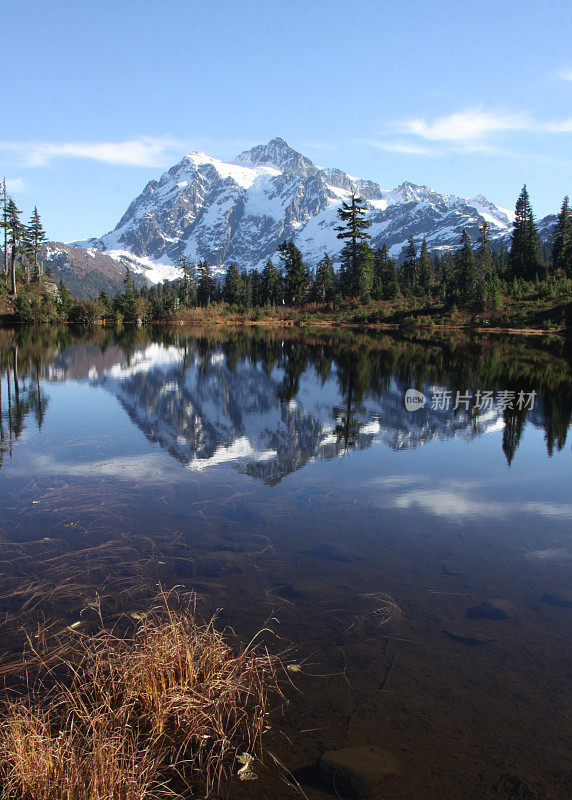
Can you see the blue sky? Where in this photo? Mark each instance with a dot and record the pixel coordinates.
(465, 98)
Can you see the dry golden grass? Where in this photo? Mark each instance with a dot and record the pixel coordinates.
(96, 762)
(121, 717)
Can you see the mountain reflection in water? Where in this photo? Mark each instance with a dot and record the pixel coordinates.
(270, 403)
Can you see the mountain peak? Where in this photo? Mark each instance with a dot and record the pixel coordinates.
(241, 211)
(278, 153)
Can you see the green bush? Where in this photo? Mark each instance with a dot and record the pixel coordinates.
(86, 312)
(38, 311)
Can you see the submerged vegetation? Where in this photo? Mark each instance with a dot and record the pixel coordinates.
(132, 717)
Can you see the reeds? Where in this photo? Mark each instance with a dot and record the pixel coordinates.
(131, 717)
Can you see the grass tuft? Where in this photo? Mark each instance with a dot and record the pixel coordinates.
(130, 717)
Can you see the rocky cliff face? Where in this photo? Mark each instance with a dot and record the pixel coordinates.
(205, 208)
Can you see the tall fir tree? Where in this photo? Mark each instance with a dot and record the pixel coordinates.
(425, 271)
(295, 273)
(323, 288)
(357, 257)
(486, 283)
(409, 266)
(562, 246)
(233, 287)
(14, 240)
(4, 224)
(466, 272)
(255, 287)
(270, 285)
(65, 297)
(524, 261)
(484, 257)
(35, 237)
(385, 275)
(184, 263)
(206, 285)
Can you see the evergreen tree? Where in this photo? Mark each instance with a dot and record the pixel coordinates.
(295, 273)
(562, 247)
(385, 275)
(66, 298)
(125, 302)
(270, 285)
(525, 246)
(409, 266)
(15, 231)
(206, 285)
(233, 288)
(34, 239)
(466, 271)
(485, 285)
(323, 289)
(425, 271)
(484, 258)
(106, 303)
(357, 257)
(447, 276)
(4, 224)
(255, 287)
(185, 265)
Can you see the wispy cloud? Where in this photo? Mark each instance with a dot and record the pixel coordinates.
(564, 126)
(470, 125)
(16, 185)
(407, 148)
(474, 127)
(470, 131)
(142, 152)
(565, 74)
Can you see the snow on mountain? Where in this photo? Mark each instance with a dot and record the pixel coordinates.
(206, 208)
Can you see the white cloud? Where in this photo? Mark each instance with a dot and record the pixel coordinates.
(16, 185)
(564, 74)
(143, 152)
(407, 148)
(565, 126)
(470, 131)
(464, 126)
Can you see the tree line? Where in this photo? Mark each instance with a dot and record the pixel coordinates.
(475, 276)
(471, 276)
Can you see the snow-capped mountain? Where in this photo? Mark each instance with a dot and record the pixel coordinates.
(241, 211)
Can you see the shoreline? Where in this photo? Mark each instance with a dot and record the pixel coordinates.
(272, 323)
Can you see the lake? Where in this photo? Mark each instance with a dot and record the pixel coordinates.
(415, 562)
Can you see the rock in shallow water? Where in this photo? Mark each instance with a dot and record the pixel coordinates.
(468, 639)
(492, 609)
(358, 771)
(557, 599)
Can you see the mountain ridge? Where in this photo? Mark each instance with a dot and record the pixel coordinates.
(240, 211)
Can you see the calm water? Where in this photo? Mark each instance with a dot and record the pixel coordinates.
(282, 477)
